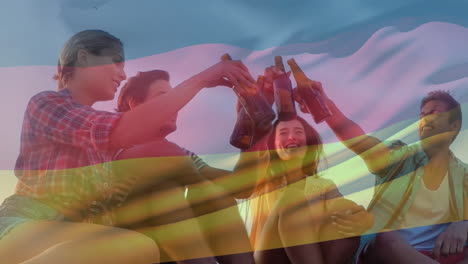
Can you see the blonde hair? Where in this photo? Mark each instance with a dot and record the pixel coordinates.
(93, 41)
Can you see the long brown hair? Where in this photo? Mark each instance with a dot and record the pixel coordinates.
(272, 178)
(311, 158)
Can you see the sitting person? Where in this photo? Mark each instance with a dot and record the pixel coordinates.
(421, 189)
(299, 226)
(230, 243)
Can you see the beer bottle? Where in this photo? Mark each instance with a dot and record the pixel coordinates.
(313, 99)
(242, 137)
(255, 120)
(282, 88)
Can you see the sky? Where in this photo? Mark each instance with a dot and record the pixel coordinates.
(375, 59)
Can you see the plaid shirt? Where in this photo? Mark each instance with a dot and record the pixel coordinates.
(63, 155)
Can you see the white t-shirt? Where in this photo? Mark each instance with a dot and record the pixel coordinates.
(429, 209)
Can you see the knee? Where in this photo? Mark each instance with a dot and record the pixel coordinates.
(346, 246)
(123, 246)
(142, 248)
(150, 250)
(385, 238)
(385, 241)
(133, 246)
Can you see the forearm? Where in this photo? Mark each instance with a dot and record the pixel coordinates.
(343, 127)
(346, 130)
(370, 149)
(142, 123)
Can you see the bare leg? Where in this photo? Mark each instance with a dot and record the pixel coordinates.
(298, 225)
(271, 256)
(62, 242)
(339, 251)
(333, 243)
(157, 206)
(301, 254)
(167, 218)
(269, 249)
(221, 223)
(390, 247)
(208, 202)
(291, 226)
(179, 234)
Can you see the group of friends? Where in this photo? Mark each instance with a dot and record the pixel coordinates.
(108, 187)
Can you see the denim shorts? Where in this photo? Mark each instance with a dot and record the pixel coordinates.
(18, 209)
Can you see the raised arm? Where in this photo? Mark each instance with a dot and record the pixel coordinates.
(153, 113)
(241, 182)
(370, 149)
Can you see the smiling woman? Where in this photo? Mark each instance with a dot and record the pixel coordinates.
(290, 142)
(294, 210)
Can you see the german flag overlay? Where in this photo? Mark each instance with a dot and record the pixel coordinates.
(245, 160)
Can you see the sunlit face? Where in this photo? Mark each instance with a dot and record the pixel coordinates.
(290, 140)
(434, 121)
(102, 74)
(158, 88)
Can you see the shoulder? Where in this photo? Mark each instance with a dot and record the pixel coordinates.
(49, 98)
(49, 95)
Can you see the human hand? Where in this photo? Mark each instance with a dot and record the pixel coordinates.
(227, 73)
(259, 88)
(353, 221)
(313, 85)
(266, 83)
(452, 240)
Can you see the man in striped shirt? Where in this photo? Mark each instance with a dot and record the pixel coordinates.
(173, 168)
